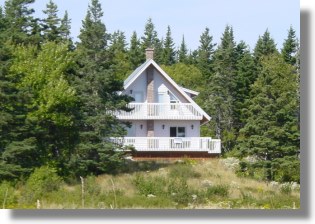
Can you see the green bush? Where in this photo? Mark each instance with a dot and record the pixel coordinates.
(150, 185)
(217, 190)
(8, 197)
(183, 171)
(41, 182)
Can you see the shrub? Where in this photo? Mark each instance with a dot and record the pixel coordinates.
(150, 185)
(183, 171)
(217, 190)
(42, 181)
(8, 198)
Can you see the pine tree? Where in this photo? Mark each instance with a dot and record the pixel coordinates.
(271, 132)
(182, 53)
(135, 51)
(205, 53)
(264, 46)
(19, 19)
(168, 55)
(289, 48)
(119, 55)
(97, 89)
(150, 40)
(50, 25)
(246, 75)
(65, 27)
(220, 95)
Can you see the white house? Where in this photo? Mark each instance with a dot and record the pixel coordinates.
(165, 121)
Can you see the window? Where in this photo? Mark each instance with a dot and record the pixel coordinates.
(173, 100)
(177, 132)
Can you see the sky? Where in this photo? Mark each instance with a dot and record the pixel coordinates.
(249, 18)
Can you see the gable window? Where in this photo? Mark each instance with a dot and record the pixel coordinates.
(178, 132)
(173, 100)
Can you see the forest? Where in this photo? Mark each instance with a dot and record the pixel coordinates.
(56, 94)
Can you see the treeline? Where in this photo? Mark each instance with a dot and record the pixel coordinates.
(55, 94)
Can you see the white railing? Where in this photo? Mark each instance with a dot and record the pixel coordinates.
(156, 111)
(195, 144)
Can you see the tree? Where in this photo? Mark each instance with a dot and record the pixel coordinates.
(246, 75)
(168, 55)
(271, 132)
(119, 55)
(205, 53)
(135, 51)
(19, 20)
(264, 46)
(290, 47)
(50, 25)
(188, 76)
(65, 26)
(150, 40)
(220, 95)
(97, 88)
(183, 51)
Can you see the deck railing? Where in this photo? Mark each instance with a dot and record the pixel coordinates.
(195, 144)
(156, 111)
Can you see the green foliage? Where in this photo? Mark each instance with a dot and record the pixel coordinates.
(290, 48)
(217, 190)
(183, 171)
(168, 55)
(187, 76)
(42, 181)
(8, 196)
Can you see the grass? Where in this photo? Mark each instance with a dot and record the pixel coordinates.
(189, 184)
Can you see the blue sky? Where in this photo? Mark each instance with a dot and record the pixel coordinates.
(249, 18)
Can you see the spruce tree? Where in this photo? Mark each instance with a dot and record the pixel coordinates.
(205, 53)
(168, 55)
(271, 132)
(135, 51)
(183, 51)
(220, 95)
(19, 19)
(65, 27)
(290, 47)
(97, 89)
(264, 47)
(50, 25)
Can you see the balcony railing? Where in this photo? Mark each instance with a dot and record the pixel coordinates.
(194, 144)
(160, 111)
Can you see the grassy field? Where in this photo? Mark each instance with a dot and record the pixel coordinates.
(184, 184)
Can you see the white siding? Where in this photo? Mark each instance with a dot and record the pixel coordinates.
(140, 84)
(160, 132)
(136, 131)
(159, 81)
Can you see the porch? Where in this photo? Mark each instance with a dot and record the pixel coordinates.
(160, 111)
(169, 144)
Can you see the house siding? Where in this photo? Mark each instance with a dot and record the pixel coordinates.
(160, 132)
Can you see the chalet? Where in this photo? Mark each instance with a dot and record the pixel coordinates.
(165, 120)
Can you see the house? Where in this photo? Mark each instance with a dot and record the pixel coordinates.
(165, 120)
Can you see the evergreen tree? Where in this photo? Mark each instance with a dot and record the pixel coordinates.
(271, 132)
(135, 51)
(246, 75)
(182, 53)
(205, 53)
(19, 19)
(290, 47)
(264, 46)
(168, 55)
(65, 27)
(151, 40)
(119, 55)
(50, 25)
(97, 89)
(220, 95)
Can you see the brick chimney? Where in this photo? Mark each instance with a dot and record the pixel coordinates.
(149, 53)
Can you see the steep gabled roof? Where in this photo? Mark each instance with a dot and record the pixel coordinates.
(149, 62)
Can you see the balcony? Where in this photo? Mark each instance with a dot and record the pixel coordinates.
(168, 144)
(160, 111)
